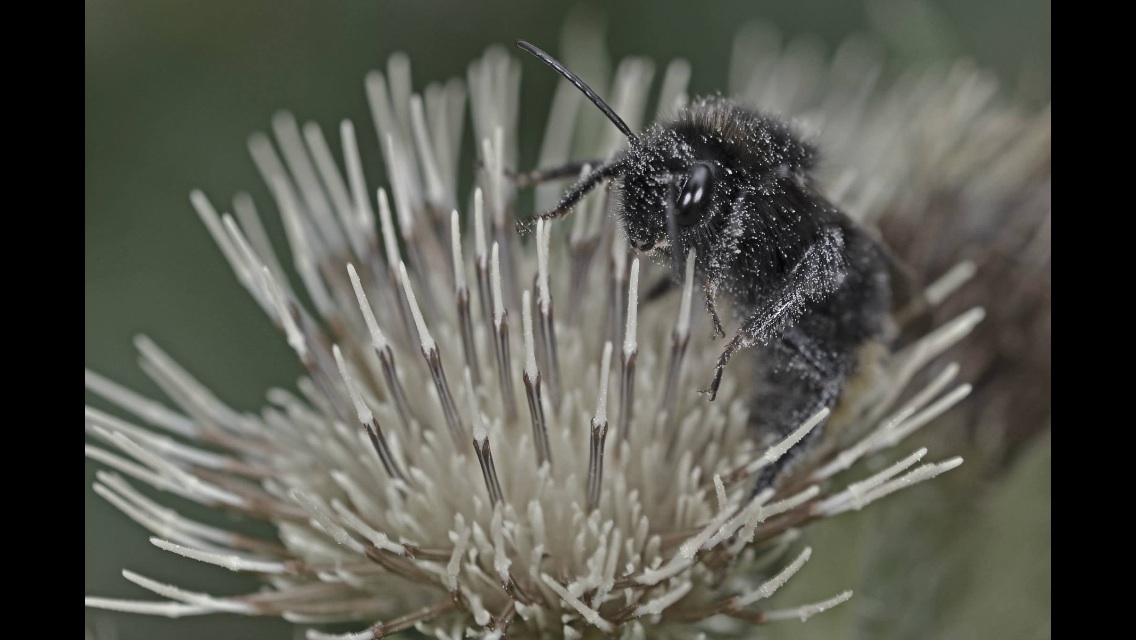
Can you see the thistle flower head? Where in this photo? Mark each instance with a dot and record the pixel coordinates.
(496, 435)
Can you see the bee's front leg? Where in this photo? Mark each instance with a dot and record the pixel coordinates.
(548, 174)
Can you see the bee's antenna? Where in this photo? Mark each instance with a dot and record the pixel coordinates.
(579, 84)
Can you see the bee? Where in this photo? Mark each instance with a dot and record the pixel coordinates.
(813, 289)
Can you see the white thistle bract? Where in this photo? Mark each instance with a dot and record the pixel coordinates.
(493, 436)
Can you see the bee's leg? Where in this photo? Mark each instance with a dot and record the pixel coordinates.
(575, 193)
(547, 174)
(658, 290)
(739, 341)
(710, 290)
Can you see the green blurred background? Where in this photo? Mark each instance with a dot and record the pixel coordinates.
(172, 91)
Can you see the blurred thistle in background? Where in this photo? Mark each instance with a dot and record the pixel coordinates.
(948, 165)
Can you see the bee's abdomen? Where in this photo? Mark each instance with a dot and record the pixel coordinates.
(807, 369)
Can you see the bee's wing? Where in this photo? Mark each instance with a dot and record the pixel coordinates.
(909, 307)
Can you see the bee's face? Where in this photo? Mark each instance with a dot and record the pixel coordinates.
(669, 194)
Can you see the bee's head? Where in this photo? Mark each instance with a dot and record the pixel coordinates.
(674, 189)
(685, 182)
(671, 195)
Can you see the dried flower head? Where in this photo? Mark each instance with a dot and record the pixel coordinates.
(494, 437)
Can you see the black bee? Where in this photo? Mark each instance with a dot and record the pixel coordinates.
(811, 286)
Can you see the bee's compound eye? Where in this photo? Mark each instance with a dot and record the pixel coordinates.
(694, 197)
